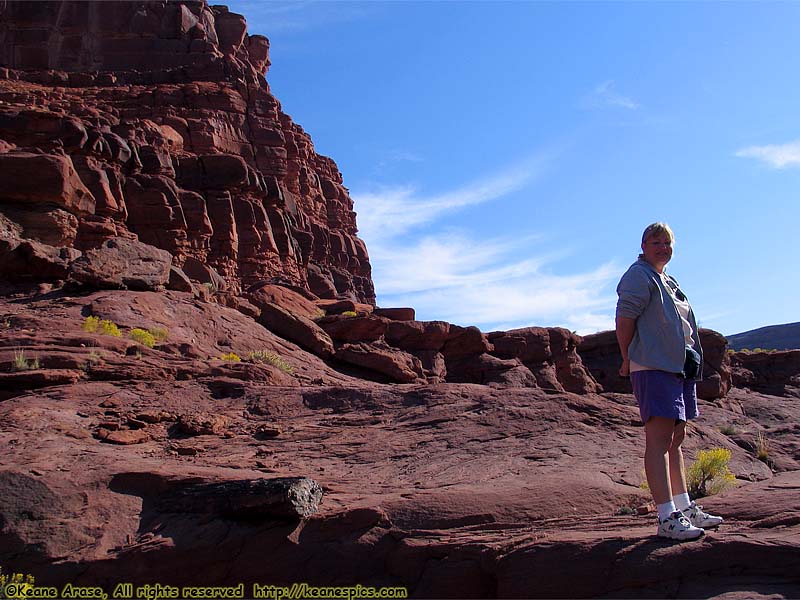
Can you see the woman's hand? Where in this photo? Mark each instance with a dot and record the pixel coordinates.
(626, 327)
(625, 369)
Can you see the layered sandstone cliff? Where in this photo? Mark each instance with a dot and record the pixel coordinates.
(270, 436)
(154, 120)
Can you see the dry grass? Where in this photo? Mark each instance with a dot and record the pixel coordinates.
(762, 446)
(270, 358)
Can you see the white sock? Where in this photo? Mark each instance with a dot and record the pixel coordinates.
(665, 510)
(682, 501)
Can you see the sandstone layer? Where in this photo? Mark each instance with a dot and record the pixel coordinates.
(153, 121)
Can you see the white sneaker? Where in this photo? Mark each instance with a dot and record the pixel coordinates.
(698, 518)
(677, 527)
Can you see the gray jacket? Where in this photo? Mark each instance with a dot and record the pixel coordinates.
(658, 341)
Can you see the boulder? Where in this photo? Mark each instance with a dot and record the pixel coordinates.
(31, 260)
(716, 366)
(289, 300)
(433, 365)
(205, 274)
(336, 307)
(414, 336)
(123, 437)
(465, 341)
(600, 353)
(295, 328)
(54, 227)
(485, 368)
(775, 372)
(178, 280)
(43, 179)
(279, 498)
(202, 424)
(570, 371)
(396, 314)
(397, 365)
(354, 329)
(123, 264)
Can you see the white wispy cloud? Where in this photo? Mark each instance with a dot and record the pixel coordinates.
(604, 95)
(394, 210)
(778, 156)
(459, 276)
(503, 293)
(448, 260)
(275, 16)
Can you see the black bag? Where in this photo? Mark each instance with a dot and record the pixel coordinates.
(691, 367)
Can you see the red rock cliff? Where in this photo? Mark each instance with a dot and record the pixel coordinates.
(154, 119)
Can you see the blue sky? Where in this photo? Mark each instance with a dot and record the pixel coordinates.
(504, 157)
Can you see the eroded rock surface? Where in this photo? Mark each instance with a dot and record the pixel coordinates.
(153, 120)
(449, 489)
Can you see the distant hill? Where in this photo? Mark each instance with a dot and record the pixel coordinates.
(772, 337)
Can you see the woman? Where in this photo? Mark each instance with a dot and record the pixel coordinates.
(660, 344)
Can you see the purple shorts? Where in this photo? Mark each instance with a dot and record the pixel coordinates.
(662, 394)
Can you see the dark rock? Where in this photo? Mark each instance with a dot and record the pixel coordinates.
(465, 341)
(280, 498)
(36, 378)
(30, 260)
(336, 307)
(194, 269)
(178, 281)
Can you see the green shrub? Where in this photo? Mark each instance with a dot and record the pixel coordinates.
(709, 473)
(349, 313)
(145, 338)
(271, 358)
(159, 333)
(231, 357)
(728, 429)
(105, 327)
(91, 324)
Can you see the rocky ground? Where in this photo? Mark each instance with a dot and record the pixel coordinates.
(450, 489)
(278, 427)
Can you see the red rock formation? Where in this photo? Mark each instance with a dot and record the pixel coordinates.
(600, 353)
(153, 119)
(774, 372)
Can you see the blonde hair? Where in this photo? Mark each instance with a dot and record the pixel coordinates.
(658, 228)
